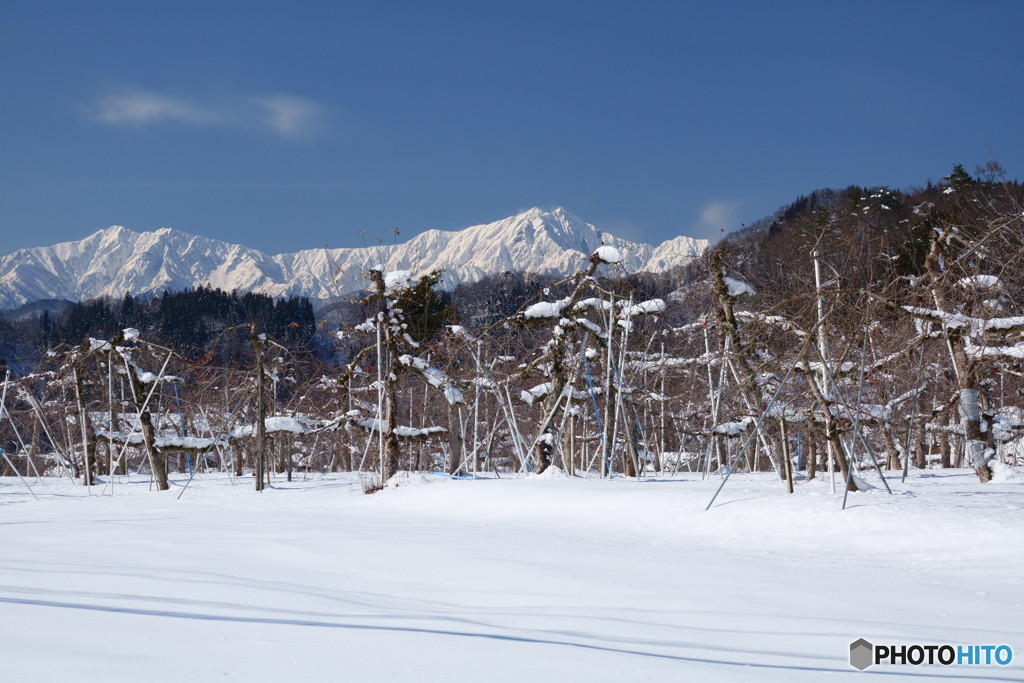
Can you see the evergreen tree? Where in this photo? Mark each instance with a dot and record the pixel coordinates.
(960, 178)
(426, 308)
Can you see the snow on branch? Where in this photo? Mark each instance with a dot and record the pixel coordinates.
(397, 279)
(372, 424)
(545, 309)
(593, 303)
(460, 332)
(774, 320)
(591, 327)
(434, 377)
(275, 424)
(843, 368)
(976, 352)
(607, 254)
(737, 287)
(650, 307)
(666, 361)
(734, 428)
(979, 282)
(529, 396)
(975, 326)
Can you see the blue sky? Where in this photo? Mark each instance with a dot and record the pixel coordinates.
(286, 126)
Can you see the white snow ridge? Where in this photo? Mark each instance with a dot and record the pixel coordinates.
(116, 261)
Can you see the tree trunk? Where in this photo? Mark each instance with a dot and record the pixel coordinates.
(832, 433)
(892, 458)
(157, 460)
(455, 440)
(970, 412)
(965, 369)
(388, 352)
(261, 409)
(920, 448)
(787, 464)
(812, 456)
(88, 436)
(944, 444)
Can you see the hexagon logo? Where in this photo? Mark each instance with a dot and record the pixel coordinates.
(862, 654)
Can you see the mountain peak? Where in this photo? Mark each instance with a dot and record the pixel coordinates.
(117, 260)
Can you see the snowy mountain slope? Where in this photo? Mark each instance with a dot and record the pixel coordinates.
(114, 261)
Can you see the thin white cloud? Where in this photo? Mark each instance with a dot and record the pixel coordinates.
(290, 116)
(140, 108)
(717, 218)
(283, 115)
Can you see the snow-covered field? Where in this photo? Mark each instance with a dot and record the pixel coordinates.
(531, 579)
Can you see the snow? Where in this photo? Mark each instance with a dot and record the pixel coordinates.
(652, 306)
(594, 303)
(546, 309)
(281, 423)
(734, 428)
(189, 443)
(608, 254)
(977, 352)
(1014, 323)
(537, 578)
(397, 279)
(277, 423)
(976, 326)
(434, 377)
(410, 432)
(113, 261)
(1003, 473)
(979, 282)
(453, 395)
(370, 424)
(737, 287)
(592, 327)
(133, 438)
(528, 396)
(461, 332)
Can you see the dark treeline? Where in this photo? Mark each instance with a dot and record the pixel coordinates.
(191, 322)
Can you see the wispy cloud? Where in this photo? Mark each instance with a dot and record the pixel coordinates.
(290, 116)
(141, 108)
(717, 218)
(282, 115)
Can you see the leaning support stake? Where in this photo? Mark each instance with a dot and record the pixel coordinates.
(14, 428)
(856, 421)
(760, 419)
(860, 435)
(3, 402)
(913, 415)
(3, 453)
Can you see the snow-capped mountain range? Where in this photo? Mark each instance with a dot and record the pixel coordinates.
(116, 260)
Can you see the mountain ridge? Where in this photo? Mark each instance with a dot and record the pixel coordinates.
(115, 260)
